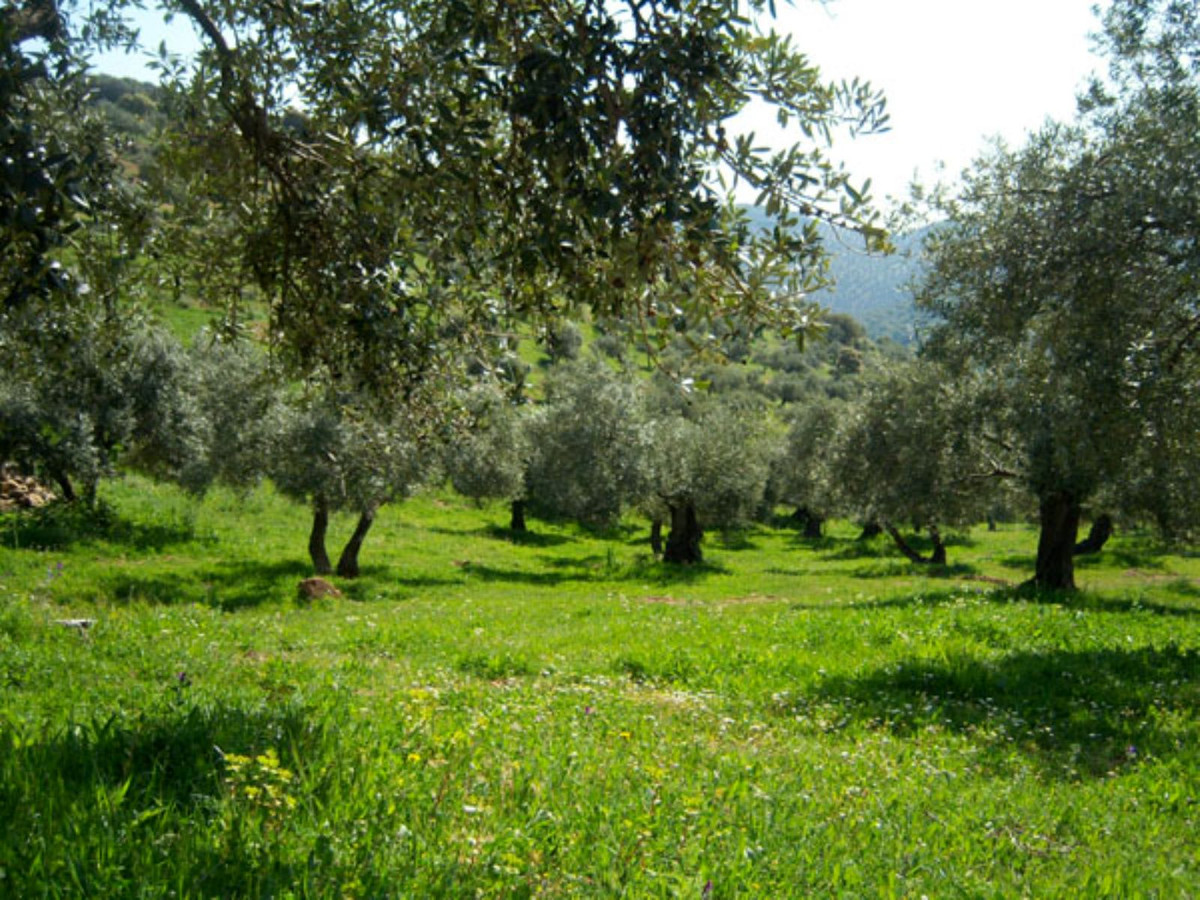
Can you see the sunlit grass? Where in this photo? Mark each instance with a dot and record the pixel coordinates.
(563, 716)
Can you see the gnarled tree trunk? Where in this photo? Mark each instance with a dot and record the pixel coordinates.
(347, 565)
(656, 541)
(316, 538)
(1098, 536)
(809, 522)
(936, 558)
(683, 543)
(65, 487)
(517, 520)
(1059, 517)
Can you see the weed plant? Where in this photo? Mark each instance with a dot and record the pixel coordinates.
(562, 716)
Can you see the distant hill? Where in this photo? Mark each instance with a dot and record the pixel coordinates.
(872, 288)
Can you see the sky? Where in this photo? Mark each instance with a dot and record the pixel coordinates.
(956, 73)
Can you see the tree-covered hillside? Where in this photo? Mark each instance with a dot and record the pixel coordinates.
(870, 286)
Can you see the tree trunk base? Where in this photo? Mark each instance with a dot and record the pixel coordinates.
(316, 539)
(1098, 536)
(517, 520)
(810, 522)
(1059, 518)
(656, 539)
(347, 566)
(683, 543)
(937, 556)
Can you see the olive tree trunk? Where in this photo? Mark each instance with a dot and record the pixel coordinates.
(937, 556)
(517, 519)
(1098, 536)
(683, 543)
(316, 538)
(809, 522)
(347, 566)
(656, 540)
(65, 487)
(1059, 517)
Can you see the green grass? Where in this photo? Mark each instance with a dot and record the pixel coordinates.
(561, 716)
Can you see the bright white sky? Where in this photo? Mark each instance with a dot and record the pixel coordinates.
(956, 72)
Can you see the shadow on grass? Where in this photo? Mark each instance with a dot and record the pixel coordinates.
(903, 567)
(1075, 713)
(565, 570)
(113, 785)
(59, 526)
(843, 549)
(499, 532)
(226, 585)
(167, 756)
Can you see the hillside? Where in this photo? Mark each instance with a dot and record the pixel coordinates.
(872, 288)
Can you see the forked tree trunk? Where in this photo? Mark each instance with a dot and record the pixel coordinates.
(517, 520)
(1098, 536)
(316, 538)
(937, 556)
(656, 542)
(683, 543)
(1059, 516)
(347, 565)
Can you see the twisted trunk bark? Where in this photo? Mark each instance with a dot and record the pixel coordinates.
(517, 519)
(316, 538)
(937, 556)
(1098, 536)
(1059, 515)
(683, 543)
(809, 522)
(347, 565)
(656, 541)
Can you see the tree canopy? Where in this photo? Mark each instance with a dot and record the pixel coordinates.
(1069, 272)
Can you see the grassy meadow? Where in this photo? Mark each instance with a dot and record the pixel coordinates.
(561, 716)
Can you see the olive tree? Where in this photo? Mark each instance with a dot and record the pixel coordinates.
(327, 456)
(489, 457)
(1068, 272)
(588, 440)
(453, 159)
(801, 471)
(706, 465)
(123, 395)
(906, 451)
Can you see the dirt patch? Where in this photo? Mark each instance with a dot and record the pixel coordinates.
(1150, 576)
(750, 598)
(665, 601)
(315, 588)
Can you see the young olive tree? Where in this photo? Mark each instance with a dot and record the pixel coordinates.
(801, 473)
(326, 457)
(121, 395)
(1068, 272)
(906, 452)
(705, 467)
(488, 459)
(588, 441)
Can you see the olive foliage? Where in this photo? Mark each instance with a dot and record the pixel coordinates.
(1068, 272)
